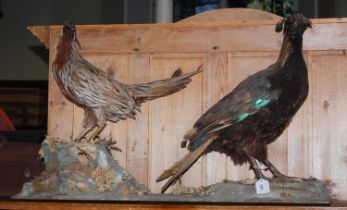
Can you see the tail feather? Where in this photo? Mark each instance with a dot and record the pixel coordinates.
(177, 73)
(180, 167)
(152, 90)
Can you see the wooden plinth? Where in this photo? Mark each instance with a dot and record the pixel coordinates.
(51, 205)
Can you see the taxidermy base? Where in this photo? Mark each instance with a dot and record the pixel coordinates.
(83, 171)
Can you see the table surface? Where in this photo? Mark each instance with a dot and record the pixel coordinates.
(79, 205)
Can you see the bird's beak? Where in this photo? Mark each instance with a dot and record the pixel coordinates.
(308, 22)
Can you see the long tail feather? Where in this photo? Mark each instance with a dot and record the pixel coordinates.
(180, 167)
(151, 90)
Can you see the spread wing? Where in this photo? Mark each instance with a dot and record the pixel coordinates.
(250, 96)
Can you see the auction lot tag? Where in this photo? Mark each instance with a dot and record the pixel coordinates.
(262, 186)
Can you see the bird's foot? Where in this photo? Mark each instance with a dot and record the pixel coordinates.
(109, 143)
(278, 176)
(99, 140)
(95, 135)
(284, 178)
(95, 139)
(226, 180)
(183, 144)
(90, 140)
(79, 139)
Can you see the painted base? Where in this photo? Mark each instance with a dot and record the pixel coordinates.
(88, 172)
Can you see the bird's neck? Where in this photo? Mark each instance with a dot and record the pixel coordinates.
(64, 51)
(289, 47)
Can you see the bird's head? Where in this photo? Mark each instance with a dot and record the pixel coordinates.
(294, 26)
(69, 32)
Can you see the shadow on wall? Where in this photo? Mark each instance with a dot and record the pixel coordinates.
(42, 52)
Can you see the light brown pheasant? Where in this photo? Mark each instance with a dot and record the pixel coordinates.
(103, 98)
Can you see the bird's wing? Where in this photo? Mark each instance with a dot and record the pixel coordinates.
(93, 88)
(251, 95)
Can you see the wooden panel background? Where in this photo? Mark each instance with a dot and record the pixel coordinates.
(315, 144)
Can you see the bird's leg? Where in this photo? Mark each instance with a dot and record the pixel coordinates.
(89, 123)
(97, 132)
(99, 120)
(275, 172)
(254, 165)
(278, 175)
(84, 133)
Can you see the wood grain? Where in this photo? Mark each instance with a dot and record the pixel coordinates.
(170, 117)
(215, 86)
(137, 134)
(218, 37)
(329, 114)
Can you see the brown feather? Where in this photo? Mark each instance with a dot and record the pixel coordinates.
(152, 90)
(178, 169)
(177, 73)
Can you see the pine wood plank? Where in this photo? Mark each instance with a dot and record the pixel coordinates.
(170, 117)
(231, 36)
(329, 134)
(215, 87)
(137, 135)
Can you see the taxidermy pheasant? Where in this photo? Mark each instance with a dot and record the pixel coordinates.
(255, 113)
(103, 98)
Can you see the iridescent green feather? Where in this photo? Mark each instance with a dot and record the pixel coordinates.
(261, 103)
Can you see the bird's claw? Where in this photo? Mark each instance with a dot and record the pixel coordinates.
(284, 178)
(109, 144)
(98, 140)
(79, 139)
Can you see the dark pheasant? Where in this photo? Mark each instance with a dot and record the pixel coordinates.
(103, 98)
(255, 113)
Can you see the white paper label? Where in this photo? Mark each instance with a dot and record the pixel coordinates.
(262, 186)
